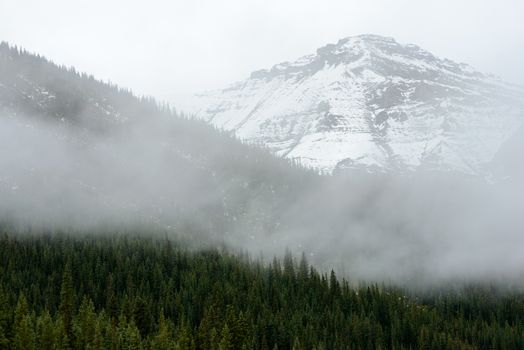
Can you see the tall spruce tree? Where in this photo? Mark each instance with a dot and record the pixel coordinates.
(66, 308)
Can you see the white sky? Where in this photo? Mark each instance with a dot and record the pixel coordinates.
(166, 48)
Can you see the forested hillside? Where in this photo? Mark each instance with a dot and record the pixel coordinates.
(117, 157)
(126, 291)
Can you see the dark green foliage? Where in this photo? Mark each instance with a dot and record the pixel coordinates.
(109, 292)
(5, 317)
(66, 308)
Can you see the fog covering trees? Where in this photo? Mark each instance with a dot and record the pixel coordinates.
(79, 153)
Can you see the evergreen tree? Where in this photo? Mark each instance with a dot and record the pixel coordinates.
(184, 340)
(226, 341)
(142, 316)
(61, 339)
(84, 325)
(111, 301)
(66, 308)
(289, 265)
(163, 340)
(5, 316)
(129, 336)
(23, 333)
(45, 331)
(24, 337)
(303, 268)
(214, 340)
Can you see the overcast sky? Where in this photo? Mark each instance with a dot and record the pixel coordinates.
(165, 48)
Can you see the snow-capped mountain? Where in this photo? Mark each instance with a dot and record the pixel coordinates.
(368, 102)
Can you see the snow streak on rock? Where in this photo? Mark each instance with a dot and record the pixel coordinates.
(368, 102)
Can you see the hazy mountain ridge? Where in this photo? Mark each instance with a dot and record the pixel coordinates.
(81, 151)
(371, 103)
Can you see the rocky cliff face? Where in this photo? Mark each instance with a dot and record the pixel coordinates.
(370, 103)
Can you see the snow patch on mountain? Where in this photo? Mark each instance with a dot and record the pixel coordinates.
(368, 102)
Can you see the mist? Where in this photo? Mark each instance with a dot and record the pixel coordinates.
(426, 228)
(51, 176)
(167, 49)
(420, 229)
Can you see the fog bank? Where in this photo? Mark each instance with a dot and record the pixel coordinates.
(424, 227)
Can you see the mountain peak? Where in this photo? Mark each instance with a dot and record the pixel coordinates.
(367, 39)
(369, 52)
(368, 102)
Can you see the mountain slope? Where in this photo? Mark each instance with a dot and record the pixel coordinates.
(77, 151)
(370, 103)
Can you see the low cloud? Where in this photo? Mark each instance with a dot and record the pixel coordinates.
(421, 228)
